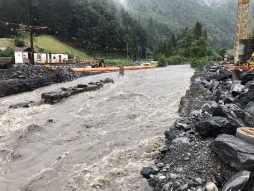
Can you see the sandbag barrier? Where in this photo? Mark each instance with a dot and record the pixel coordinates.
(53, 97)
(107, 69)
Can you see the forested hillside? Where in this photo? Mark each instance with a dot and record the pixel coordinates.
(81, 22)
(112, 24)
(164, 17)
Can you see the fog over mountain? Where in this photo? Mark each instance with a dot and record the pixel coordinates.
(163, 17)
(213, 3)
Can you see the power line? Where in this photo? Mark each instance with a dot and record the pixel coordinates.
(23, 25)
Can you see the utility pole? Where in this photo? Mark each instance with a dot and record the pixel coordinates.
(94, 48)
(31, 32)
(31, 28)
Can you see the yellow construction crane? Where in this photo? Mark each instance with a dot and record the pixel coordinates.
(243, 13)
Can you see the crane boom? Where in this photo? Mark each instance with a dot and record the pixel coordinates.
(243, 12)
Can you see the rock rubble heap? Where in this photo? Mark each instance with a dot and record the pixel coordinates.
(23, 77)
(201, 151)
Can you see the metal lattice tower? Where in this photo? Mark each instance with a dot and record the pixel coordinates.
(243, 12)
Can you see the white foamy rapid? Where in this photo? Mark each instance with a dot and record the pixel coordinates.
(91, 141)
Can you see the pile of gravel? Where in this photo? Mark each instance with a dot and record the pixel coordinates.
(201, 150)
(23, 77)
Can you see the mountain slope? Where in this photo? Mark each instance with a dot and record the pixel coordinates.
(164, 17)
(112, 24)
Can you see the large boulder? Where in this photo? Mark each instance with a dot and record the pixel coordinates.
(222, 75)
(229, 98)
(233, 151)
(246, 96)
(250, 108)
(209, 107)
(236, 114)
(237, 182)
(147, 171)
(236, 88)
(249, 85)
(247, 76)
(214, 126)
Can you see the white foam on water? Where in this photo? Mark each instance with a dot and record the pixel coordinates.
(12, 119)
(112, 171)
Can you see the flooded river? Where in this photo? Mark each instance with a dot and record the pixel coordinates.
(90, 141)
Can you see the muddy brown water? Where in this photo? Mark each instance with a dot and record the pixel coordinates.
(91, 141)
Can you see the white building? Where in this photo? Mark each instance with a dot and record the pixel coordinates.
(23, 55)
(50, 58)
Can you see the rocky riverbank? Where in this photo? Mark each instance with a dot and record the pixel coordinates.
(201, 151)
(23, 78)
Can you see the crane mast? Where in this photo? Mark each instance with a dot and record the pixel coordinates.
(243, 12)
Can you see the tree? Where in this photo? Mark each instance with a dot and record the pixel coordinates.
(198, 32)
(9, 52)
(173, 40)
(162, 60)
(89, 48)
(21, 35)
(199, 48)
(222, 52)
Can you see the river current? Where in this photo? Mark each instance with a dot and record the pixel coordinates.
(93, 140)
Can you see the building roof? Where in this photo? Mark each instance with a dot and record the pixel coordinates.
(21, 49)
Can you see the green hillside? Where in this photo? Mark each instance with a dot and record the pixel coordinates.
(50, 44)
(47, 43)
(7, 42)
